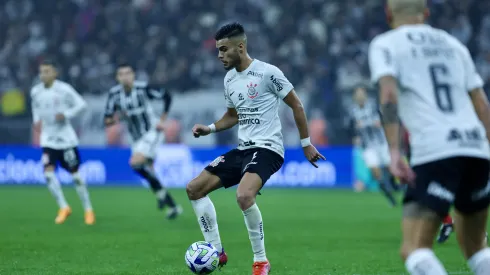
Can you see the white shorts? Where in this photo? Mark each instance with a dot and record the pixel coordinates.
(376, 157)
(147, 145)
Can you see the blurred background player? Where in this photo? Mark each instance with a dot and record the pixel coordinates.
(54, 104)
(131, 99)
(370, 136)
(253, 92)
(428, 78)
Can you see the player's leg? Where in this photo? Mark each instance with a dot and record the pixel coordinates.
(425, 204)
(258, 167)
(224, 171)
(141, 161)
(471, 216)
(71, 163)
(419, 226)
(373, 162)
(447, 228)
(49, 159)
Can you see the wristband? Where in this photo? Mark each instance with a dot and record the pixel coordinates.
(212, 127)
(305, 142)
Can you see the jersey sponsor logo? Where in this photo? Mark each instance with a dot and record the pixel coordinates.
(252, 92)
(466, 138)
(249, 121)
(256, 74)
(217, 161)
(240, 97)
(276, 83)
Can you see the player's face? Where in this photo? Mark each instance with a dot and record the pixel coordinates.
(125, 76)
(47, 73)
(360, 96)
(228, 53)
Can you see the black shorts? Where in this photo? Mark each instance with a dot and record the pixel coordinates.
(231, 166)
(69, 159)
(458, 181)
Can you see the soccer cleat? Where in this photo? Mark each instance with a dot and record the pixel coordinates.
(223, 259)
(173, 213)
(445, 232)
(89, 217)
(261, 268)
(63, 213)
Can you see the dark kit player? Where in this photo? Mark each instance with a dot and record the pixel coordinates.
(132, 100)
(253, 93)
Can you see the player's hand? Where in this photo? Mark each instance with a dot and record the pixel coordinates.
(161, 126)
(60, 117)
(400, 168)
(200, 130)
(312, 154)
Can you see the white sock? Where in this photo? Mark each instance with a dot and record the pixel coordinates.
(423, 261)
(82, 191)
(253, 221)
(206, 216)
(480, 262)
(55, 189)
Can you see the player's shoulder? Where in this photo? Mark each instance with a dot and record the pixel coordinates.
(62, 85)
(36, 89)
(385, 39)
(115, 89)
(230, 76)
(268, 68)
(138, 84)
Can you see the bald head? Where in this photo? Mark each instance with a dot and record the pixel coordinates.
(407, 7)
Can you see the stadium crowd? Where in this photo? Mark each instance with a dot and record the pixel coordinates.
(320, 45)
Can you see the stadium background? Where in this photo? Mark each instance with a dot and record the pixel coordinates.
(320, 45)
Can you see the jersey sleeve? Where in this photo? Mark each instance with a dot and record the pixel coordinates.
(229, 102)
(381, 61)
(76, 101)
(154, 92)
(111, 105)
(278, 83)
(472, 79)
(35, 106)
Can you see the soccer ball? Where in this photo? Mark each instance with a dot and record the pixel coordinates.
(202, 258)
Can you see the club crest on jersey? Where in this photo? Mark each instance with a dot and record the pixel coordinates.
(217, 161)
(252, 92)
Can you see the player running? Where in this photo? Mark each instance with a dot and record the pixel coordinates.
(54, 104)
(253, 91)
(132, 100)
(427, 77)
(369, 134)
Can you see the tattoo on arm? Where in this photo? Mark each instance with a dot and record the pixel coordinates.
(389, 111)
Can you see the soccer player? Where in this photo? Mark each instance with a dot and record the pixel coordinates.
(253, 92)
(54, 104)
(132, 100)
(369, 133)
(427, 77)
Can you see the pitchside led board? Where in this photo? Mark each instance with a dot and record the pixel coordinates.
(175, 165)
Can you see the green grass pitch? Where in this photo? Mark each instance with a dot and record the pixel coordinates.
(307, 232)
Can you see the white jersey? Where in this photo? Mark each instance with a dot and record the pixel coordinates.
(256, 94)
(435, 73)
(46, 103)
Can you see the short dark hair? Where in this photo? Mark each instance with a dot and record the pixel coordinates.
(48, 62)
(124, 65)
(229, 31)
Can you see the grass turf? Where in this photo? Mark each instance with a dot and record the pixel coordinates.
(307, 232)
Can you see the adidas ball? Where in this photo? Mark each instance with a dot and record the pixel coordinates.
(202, 258)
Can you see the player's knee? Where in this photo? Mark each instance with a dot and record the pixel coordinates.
(77, 178)
(49, 175)
(194, 191)
(245, 199)
(137, 161)
(49, 168)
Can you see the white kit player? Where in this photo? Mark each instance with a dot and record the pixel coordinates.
(54, 103)
(253, 92)
(428, 80)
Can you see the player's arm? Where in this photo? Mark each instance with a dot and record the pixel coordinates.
(36, 118)
(110, 110)
(293, 101)
(482, 108)
(154, 92)
(388, 96)
(78, 104)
